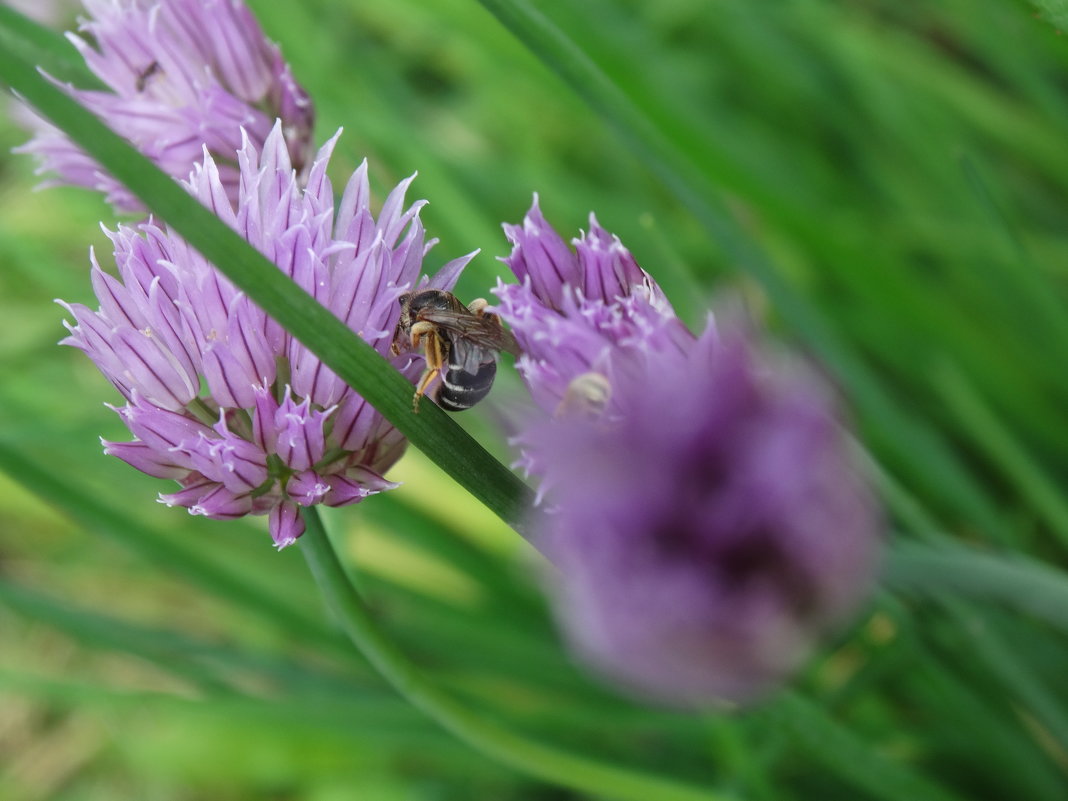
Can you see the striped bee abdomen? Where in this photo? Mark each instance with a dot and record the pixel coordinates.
(460, 389)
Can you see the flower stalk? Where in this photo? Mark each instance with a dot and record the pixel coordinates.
(512, 749)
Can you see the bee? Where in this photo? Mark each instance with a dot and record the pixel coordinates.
(459, 342)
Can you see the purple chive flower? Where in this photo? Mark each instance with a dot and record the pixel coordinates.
(183, 74)
(273, 429)
(575, 312)
(702, 508)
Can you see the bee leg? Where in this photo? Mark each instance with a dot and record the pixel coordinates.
(425, 334)
(424, 381)
(398, 336)
(419, 331)
(507, 344)
(478, 308)
(401, 331)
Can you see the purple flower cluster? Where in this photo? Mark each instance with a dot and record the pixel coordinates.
(576, 313)
(273, 429)
(183, 75)
(701, 506)
(703, 513)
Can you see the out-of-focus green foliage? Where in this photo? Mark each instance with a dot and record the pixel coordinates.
(893, 174)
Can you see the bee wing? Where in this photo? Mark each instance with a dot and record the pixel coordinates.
(476, 332)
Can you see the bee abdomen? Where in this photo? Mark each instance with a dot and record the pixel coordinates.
(461, 390)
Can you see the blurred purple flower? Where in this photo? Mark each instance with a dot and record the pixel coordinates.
(274, 429)
(703, 510)
(183, 74)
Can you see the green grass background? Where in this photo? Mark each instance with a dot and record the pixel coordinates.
(883, 183)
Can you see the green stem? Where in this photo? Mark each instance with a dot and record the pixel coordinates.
(49, 49)
(956, 571)
(515, 750)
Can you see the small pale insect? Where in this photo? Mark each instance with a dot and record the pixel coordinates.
(587, 396)
(460, 344)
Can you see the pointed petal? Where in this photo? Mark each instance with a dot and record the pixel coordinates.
(286, 524)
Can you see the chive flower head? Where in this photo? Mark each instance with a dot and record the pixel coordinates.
(180, 75)
(218, 396)
(700, 502)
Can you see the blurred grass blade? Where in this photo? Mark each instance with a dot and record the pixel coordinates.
(44, 47)
(170, 650)
(1020, 678)
(950, 573)
(1056, 11)
(1023, 287)
(222, 670)
(683, 162)
(547, 762)
(387, 719)
(850, 757)
(446, 542)
(988, 434)
(188, 562)
(983, 715)
(356, 362)
(1013, 581)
